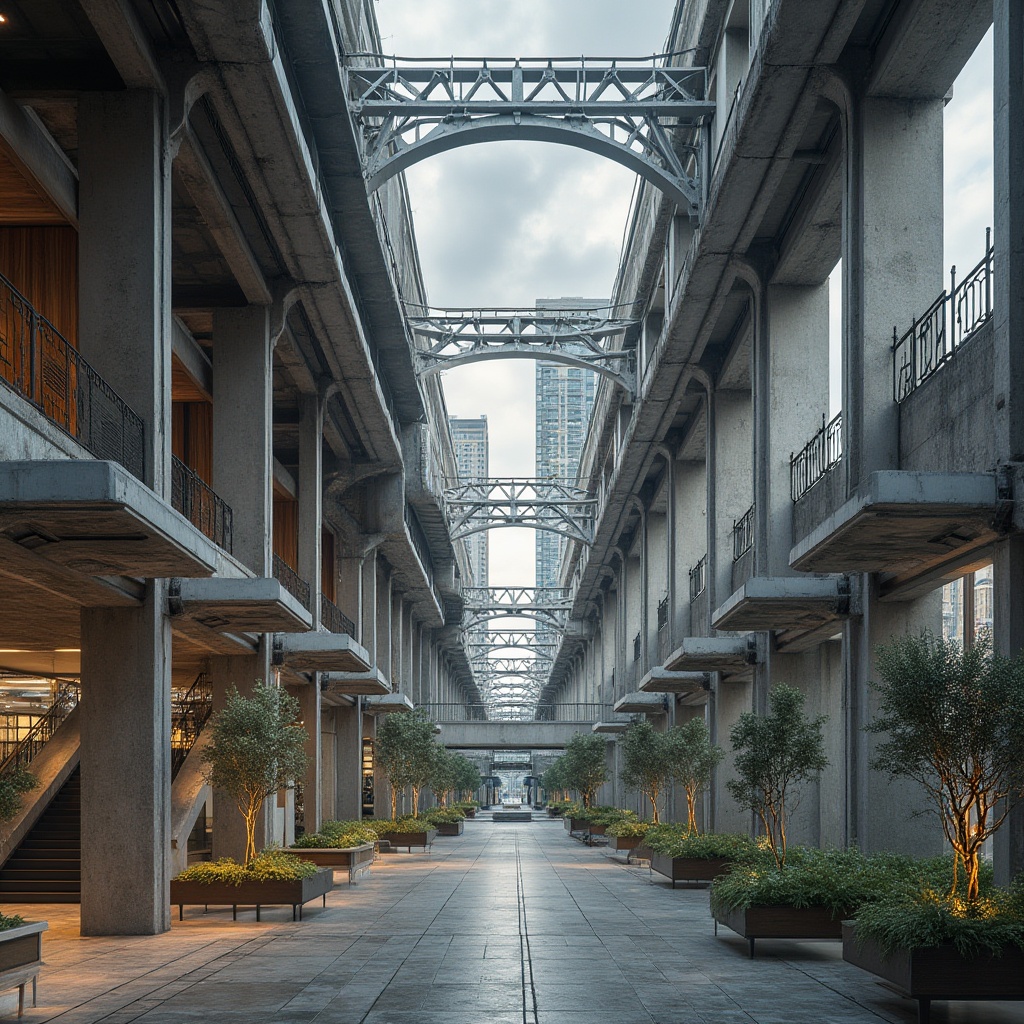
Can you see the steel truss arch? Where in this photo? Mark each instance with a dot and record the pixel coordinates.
(624, 109)
(553, 506)
(457, 337)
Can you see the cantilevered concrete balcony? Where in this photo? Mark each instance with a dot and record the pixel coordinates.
(790, 606)
(906, 524)
(641, 703)
(685, 684)
(712, 654)
(320, 652)
(609, 728)
(254, 605)
(370, 683)
(389, 704)
(84, 518)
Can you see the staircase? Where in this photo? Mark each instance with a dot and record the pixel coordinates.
(47, 866)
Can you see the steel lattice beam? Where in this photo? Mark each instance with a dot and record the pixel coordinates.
(511, 639)
(556, 506)
(547, 606)
(456, 337)
(621, 108)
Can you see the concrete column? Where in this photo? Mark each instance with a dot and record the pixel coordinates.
(125, 259)
(228, 824)
(396, 618)
(126, 767)
(310, 498)
(308, 697)
(732, 441)
(645, 592)
(892, 262)
(1008, 362)
(368, 605)
(348, 768)
(790, 398)
(124, 295)
(350, 580)
(243, 429)
(328, 764)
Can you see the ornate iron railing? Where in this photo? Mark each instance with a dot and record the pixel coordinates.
(36, 738)
(292, 581)
(951, 320)
(743, 534)
(206, 510)
(419, 542)
(699, 578)
(662, 613)
(334, 619)
(38, 363)
(189, 713)
(817, 457)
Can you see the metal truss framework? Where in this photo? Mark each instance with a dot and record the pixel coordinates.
(626, 109)
(555, 506)
(542, 643)
(548, 606)
(456, 337)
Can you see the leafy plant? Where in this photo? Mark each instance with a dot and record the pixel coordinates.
(646, 761)
(338, 835)
(269, 866)
(554, 780)
(584, 765)
(444, 773)
(775, 753)
(629, 829)
(693, 760)
(256, 749)
(14, 784)
(674, 841)
(404, 752)
(445, 816)
(402, 826)
(8, 921)
(954, 723)
(467, 780)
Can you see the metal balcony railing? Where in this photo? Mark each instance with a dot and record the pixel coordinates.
(743, 534)
(951, 320)
(662, 614)
(817, 457)
(40, 733)
(206, 510)
(292, 581)
(636, 647)
(189, 713)
(334, 619)
(699, 578)
(38, 363)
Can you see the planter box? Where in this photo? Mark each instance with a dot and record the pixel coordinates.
(454, 828)
(411, 839)
(939, 972)
(624, 842)
(579, 825)
(248, 894)
(688, 869)
(554, 812)
(356, 860)
(21, 952)
(470, 812)
(782, 922)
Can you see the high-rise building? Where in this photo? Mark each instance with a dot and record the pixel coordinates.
(565, 397)
(472, 461)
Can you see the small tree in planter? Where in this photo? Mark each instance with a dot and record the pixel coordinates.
(444, 773)
(694, 758)
(775, 753)
(467, 778)
(953, 721)
(646, 761)
(14, 784)
(256, 749)
(553, 780)
(404, 748)
(584, 765)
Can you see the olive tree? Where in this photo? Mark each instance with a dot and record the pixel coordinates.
(404, 749)
(444, 773)
(693, 761)
(775, 754)
(646, 761)
(953, 721)
(467, 777)
(584, 765)
(256, 749)
(553, 780)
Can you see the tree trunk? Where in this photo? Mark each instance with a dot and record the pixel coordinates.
(691, 812)
(394, 803)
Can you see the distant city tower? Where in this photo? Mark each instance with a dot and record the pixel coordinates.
(472, 461)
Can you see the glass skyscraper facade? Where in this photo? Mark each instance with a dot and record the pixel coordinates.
(472, 461)
(565, 398)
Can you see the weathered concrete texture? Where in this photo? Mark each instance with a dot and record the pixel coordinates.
(819, 502)
(946, 424)
(509, 735)
(126, 767)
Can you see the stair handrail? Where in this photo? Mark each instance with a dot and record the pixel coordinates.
(36, 738)
(191, 710)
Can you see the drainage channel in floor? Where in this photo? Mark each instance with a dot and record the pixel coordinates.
(529, 992)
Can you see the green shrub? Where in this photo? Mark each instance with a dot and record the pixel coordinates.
(401, 826)
(268, 866)
(843, 881)
(629, 829)
(675, 841)
(930, 917)
(444, 816)
(603, 815)
(8, 921)
(338, 835)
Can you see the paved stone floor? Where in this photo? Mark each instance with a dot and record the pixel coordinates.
(511, 924)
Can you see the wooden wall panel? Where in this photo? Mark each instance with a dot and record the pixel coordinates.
(42, 263)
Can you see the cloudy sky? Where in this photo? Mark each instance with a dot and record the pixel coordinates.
(508, 223)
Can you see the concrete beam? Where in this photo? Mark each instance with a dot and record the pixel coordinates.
(783, 603)
(712, 654)
(260, 605)
(39, 157)
(126, 42)
(320, 652)
(509, 735)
